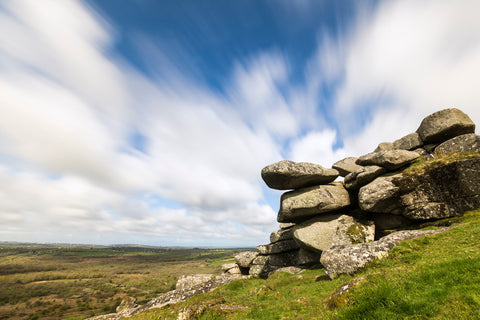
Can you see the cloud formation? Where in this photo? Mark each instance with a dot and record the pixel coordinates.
(94, 150)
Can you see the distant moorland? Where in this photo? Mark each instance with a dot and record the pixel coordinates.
(53, 281)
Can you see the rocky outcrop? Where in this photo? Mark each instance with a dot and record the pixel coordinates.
(350, 258)
(322, 214)
(285, 175)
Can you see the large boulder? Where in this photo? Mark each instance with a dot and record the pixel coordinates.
(244, 259)
(325, 231)
(441, 192)
(465, 143)
(346, 166)
(381, 195)
(411, 141)
(364, 175)
(346, 259)
(445, 124)
(303, 203)
(391, 159)
(284, 175)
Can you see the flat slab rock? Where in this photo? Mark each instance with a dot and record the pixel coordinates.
(346, 259)
(285, 175)
(391, 159)
(445, 124)
(304, 203)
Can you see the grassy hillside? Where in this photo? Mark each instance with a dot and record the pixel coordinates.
(436, 277)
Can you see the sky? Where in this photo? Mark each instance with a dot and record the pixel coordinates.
(148, 122)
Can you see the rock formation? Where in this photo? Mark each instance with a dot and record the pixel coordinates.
(335, 223)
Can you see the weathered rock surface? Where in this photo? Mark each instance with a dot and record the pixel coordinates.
(325, 231)
(384, 146)
(361, 177)
(282, 234)
(391, 160)
(445, 124)
(346, 259)
(231, 268)
(381, 195)
(278, 247)
(245, 259)
(265, 264)
(442, 192)
(409, 142)
(192, 280)
(303, 203)
(464, 143)
(284, 175)
(346, 166)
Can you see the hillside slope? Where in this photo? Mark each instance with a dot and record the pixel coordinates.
(436, 277)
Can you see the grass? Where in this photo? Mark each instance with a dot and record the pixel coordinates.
(436, 277)
(43, 282)
(425, 164)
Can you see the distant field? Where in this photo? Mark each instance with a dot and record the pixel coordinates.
(74, 282)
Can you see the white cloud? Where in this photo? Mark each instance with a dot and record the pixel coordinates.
(317, 147)
(69, 108)
(409, 55)
(68, 111)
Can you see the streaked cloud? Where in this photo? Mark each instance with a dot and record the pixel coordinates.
(92, 149)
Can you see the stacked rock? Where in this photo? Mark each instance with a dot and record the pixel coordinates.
(319, 214)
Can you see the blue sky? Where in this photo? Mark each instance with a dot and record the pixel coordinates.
(149, 122)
